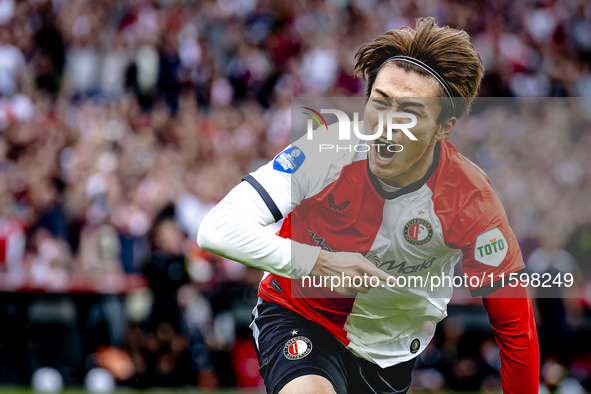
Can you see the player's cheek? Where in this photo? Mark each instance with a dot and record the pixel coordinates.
(422, 136)
(371, 114)
(369, 123)
(410, 153)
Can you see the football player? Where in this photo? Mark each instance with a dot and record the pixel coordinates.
(381, 212)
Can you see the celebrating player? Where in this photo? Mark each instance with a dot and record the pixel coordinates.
(381, 212)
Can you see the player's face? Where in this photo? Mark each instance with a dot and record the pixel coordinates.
(395, 90)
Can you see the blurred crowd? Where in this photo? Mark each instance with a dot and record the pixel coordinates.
(123, 122)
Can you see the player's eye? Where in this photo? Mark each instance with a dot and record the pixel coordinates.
(381, 103)
(412, 112)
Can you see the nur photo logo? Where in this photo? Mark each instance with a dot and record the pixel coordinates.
(345, 126)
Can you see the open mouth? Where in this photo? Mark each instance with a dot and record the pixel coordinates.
(385, 151)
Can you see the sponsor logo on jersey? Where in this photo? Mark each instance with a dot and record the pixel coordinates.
(418, 231)
(320, 241)
(415, 345)
(297, 348)
(289, 160)
(334, 208)
(491, 248)
(402, 266)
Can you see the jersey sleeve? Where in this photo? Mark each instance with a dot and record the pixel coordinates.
(490, 250)
(235, 228)
(294, 173)
(511, 316)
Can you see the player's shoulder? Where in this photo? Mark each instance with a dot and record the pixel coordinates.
(464, 200)
(459, 171)
(461, 179)
(462, 193)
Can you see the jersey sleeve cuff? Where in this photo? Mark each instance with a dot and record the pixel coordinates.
(304, 258)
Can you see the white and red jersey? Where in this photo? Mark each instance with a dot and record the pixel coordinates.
(331, 199)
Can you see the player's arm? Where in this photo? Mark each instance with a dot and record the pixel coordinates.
(511, 316)
(490, 253)
(235, 228)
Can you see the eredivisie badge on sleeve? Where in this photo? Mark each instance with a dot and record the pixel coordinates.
(289, 160)
(418, 231)
(297, 348)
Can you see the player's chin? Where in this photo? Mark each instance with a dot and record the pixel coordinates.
(382, 171)
(383, 165)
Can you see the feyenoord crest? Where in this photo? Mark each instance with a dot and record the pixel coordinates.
(297, 348)
(418, 231)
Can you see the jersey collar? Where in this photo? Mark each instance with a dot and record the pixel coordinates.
(407, 189)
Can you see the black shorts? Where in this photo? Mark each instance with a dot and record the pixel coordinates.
(289, 346)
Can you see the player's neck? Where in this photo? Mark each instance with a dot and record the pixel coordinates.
(416, 171)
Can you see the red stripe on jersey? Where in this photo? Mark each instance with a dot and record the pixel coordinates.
(345, 215)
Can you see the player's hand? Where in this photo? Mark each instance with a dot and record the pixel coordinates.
(350, 265)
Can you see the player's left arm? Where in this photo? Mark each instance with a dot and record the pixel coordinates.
(511, 316)
(491, 254)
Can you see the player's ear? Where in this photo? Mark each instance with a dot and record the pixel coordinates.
(444, 129)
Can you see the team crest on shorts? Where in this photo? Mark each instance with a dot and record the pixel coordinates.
(297, 348)
(418, 231)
